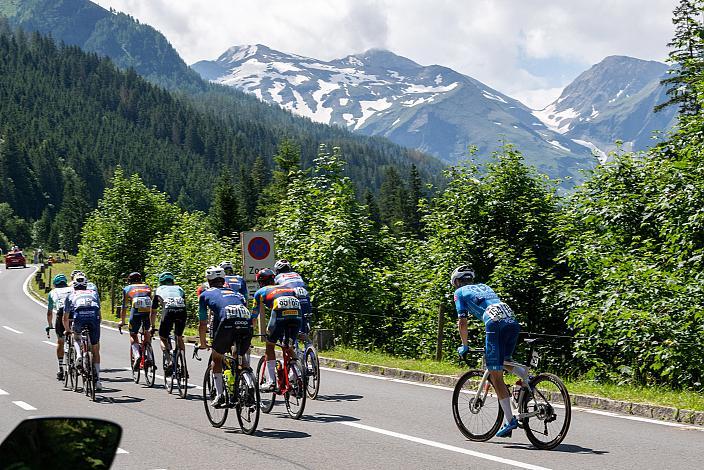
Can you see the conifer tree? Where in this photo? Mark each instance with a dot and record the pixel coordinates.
(225, 212)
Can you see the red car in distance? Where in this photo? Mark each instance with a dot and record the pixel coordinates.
(15, 259)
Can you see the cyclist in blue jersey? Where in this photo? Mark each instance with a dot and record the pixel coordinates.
(172, 300)
(502, 329)
(284, 321)
(234, 281)
(287, 277)
(232, 322)
(83, 306)
(54, 316)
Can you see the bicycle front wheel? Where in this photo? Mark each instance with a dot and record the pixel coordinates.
(267, 398)
(135, 370)
(68, 373)
(182, 373)
(89, 377)
(295, 397)
(247, 402)
(549, 403)
(149, 366)
(168, 379)
(216, 416)
(477, 412)
(312, 371)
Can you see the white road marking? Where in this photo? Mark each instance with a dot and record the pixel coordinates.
(13, 330)
(24, 405)
(25, 288)
(638, 418)
(439, 445)
(369, 376)
(49, 343)
(190, 385)
(3, 392)
(120, 450)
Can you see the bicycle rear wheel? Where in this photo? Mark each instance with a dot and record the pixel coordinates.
(295, 397)
(548, 397)
(149, 366)
(477, 413)
(68, 374)
(312, 372)
(89, 377)
(168, 379)
(267, 398)
(182, 373)
(248, 405)
(216, 416)
(135, 372)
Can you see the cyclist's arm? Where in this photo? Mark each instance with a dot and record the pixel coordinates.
(243, 289)
(122, 308)
(462, 314)
(202, 318)
(67, 309)
(152, 312)
(49, 310)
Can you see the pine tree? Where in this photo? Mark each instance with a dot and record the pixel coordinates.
(73, 213)
(225, 214)
(393, 199)
(372, 209)
(415, 194)
(686, 58)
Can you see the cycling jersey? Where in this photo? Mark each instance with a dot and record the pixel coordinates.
(237, 283)
(84, 307)
(169, 297)
(282, 302)
(223, 302)
(500, 325)
(139, 297)
(57, 298)
(295, 281)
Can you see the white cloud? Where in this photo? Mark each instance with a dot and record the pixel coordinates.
(490, 40)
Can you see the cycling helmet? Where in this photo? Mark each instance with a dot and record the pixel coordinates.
(227, 266)
(214, 272)
(464, 272)
(283, 266)
(265, 277)
(166, 278)
(60, 279)
(134, 278)
(80, 283)
(75, 273)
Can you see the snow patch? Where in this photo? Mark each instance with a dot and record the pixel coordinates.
(395, 74)
(349, 119)
(497, 123)
(557, 121)
(344, 101)
(275, 92)
(492, 96)
(371, 107)
(417, 101)
(438, 79)
(596, 151)
(430, 89)
(396, 122)
(557, 144)
(284, 67)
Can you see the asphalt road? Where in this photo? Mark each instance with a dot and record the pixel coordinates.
(358, 421)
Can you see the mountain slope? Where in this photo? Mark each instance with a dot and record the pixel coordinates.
(613, 100)
(433, 108)
(257, 126)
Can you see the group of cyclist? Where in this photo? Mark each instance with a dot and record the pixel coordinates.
(222, 298)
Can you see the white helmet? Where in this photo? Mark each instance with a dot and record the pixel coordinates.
(283, 266)
(463, 272)
(80, 282)
(214, 272)
(227, 265)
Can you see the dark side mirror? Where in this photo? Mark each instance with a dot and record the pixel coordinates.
(75, 443)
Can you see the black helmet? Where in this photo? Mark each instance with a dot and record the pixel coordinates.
(283, 266)
(134, 278)
(265, 277)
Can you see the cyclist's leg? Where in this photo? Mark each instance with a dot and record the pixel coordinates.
(60, 333)
(165, 329)
(77, 326)
(275, 333)
(179, 321)
(134, 325)
(147, 323)
(495, 364)
(94, 332)
(510, 333)
(222, 343)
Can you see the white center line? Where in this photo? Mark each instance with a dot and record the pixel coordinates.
(13, 330)
(120, 450)
(440, 445)
(24, 405)
(49, 343)
(3, 392)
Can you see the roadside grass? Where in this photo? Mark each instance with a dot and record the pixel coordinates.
(48, 275)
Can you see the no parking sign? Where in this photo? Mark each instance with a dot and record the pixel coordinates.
(257, 253)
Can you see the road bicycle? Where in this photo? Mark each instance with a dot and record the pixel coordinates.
(543, 404)
(175, 359)
(290, 383)
(70, 372)
(146, 359)
(308, 356)
(84, 369)
(241, 392)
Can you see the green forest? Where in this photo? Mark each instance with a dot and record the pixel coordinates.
(615, 266)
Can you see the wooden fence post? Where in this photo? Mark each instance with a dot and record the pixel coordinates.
(441, 331)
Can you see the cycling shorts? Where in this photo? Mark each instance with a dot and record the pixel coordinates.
(175, 317)
(228, 334)
(59, 324)
(89, 319)
(501, 337)
(284, 329)
(139, 319)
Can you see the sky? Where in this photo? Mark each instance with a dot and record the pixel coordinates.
(527, 49)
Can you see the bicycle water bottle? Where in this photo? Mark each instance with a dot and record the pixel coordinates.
(229, 380)
(280, 372)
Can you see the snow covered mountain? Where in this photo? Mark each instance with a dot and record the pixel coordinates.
(613, 100)
(432, 108)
